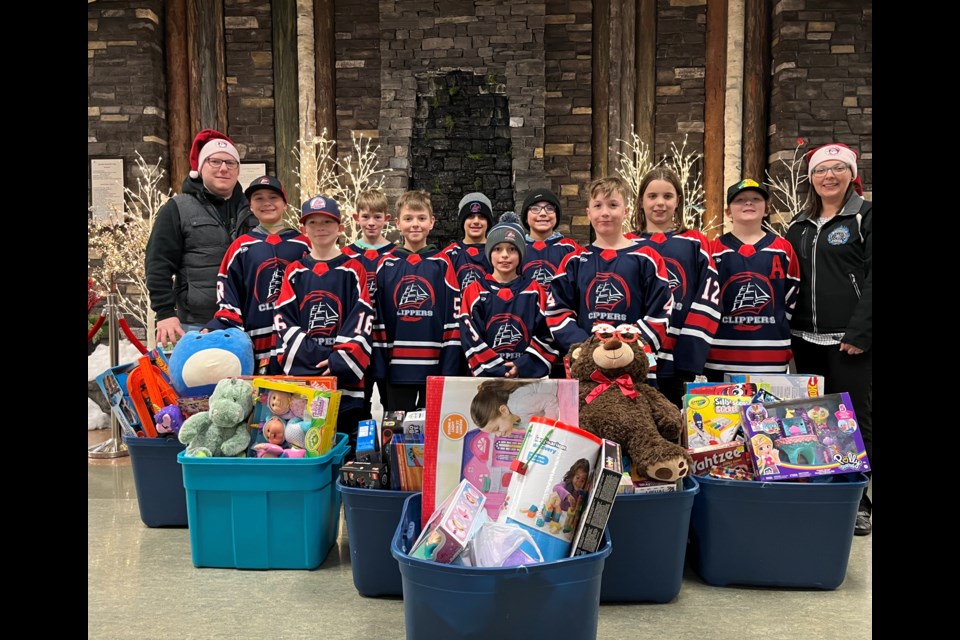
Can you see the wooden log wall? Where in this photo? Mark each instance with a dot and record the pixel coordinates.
(286, 93)
(178, 91)
(713, 138)
(756, 85)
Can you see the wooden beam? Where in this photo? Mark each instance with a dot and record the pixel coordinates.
(614, 76)
(646, 66)
(179, 133)
(208, 83)
(756, 86)
(285, 108)
(600, 89)
(628, 72)
(715, 89)
(325, 67)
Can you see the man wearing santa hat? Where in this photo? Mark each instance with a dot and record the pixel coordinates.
(191, 235)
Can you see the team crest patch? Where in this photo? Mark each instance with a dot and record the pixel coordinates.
(840, 235)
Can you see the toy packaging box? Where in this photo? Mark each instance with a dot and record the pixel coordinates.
(316, 410)
(365, 475)
(406, 462)
(452, 525)
(114, 385)
(727, 454)
(712, 420)
(606, 483)
(458, 448)
(804, 438)
(786, 386)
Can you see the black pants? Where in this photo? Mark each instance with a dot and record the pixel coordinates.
(404, 397)
(842, 372)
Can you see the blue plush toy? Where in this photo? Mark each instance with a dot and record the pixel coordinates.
(201, 360)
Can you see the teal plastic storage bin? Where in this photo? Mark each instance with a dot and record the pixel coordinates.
(775, 534)
(652, 528)
(372, 516)
(559, 599)
(263, 513)
(159, 481)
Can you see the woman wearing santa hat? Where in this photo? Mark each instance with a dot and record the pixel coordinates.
(832, 324)
(191, 234)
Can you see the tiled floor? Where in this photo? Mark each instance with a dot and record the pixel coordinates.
(141, 584)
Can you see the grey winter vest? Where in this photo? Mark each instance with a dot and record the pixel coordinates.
(205, 241)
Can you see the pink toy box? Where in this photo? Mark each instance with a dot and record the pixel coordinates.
(803, 438)
(451, 526)
(456, 447)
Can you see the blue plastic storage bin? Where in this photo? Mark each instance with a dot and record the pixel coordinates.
(159, 480)
(263, 513)
(372, 516)
(652, 528)
(559, 599)
(775, 534)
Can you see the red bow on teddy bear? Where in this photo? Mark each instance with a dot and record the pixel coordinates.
(624, 382)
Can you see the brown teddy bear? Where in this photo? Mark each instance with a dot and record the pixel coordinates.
(616, 403)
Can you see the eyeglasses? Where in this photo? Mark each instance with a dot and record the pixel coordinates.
(625, 332)
(547, 208)
(837, 170)
(217, 162)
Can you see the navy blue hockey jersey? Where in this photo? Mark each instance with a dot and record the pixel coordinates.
(248, 285)
(370, 259)
(758, 290)
(469, 262)
(506, 322)
(544, 256)
(696, 299)
(614, 286)
(416, 333)
(324, 313)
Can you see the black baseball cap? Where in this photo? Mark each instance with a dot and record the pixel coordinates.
(747, 185)
(266, 182)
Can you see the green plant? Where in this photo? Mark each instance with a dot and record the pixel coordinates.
(477, 184)
(454, 90)
(448, 123)
(436, 185)
(475, 156)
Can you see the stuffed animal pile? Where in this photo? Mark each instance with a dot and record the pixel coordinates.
(617, 404)
(221, 431)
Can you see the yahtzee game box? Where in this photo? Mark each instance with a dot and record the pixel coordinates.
(803, 438)
(474, 429)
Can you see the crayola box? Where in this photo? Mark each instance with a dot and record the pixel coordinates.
(475, 427)
(712, 420)
(805, 437)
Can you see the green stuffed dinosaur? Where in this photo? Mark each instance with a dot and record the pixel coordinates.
(222, 431)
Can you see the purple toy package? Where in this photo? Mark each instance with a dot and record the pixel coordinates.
(804, 438)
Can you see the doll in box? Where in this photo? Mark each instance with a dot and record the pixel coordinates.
(768, 458)
(276, 445)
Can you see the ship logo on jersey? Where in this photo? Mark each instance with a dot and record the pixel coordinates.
(413, 298)
(266, 289)
(677, 280)
(607, 291)
(752, 303)
(469, 273)
(323, 317)
(541, 271)
(508, 332)
(839, 235)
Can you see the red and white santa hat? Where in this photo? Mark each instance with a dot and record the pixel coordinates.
(207, 143)
(835, 151)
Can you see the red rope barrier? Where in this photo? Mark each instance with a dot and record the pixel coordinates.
(96, 327)
(132, 338)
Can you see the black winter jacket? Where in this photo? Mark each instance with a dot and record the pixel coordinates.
(190, 236)
(836, 275)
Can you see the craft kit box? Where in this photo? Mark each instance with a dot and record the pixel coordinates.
(263, 513)
(774, 534)
(712, 419)
(804, 438)
(456, 445)
(784, 386)
(651, 532)
(559, 599)
(372, 518)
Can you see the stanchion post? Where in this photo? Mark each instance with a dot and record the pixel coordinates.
(114, 446)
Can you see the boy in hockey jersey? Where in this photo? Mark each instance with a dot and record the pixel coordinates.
(546, 247)
(248, 283)
(416, 333)
(759, 280)
(324, 317)
(474, 219)
(612, 281)
(502, 323)
(371, 217)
